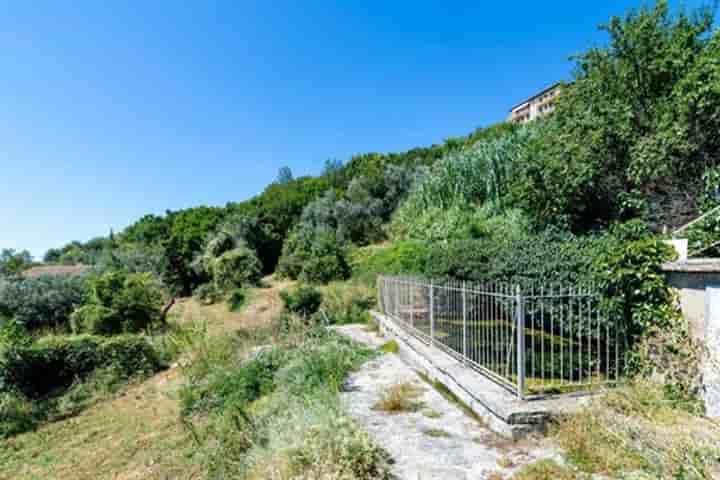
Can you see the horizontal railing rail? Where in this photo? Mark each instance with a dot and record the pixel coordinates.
(547, 340)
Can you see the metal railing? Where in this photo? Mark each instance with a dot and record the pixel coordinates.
(546, 340)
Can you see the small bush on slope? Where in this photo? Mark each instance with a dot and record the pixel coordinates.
(303, 300)
(313, 255)
(119, 302)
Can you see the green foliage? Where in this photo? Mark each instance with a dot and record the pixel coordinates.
(634, 287)
(346, 302)
(277, 209)
(470, 176)
(237, 298)
(134, 258)
(304, 300)
(185, 239)
(630, 136)
(119, 302)
(44, 302)
(52, 364)
(549, 257)
(236, 268)
(20, 411)
(12, 262)
(404, 257)
(207, 294)
(314, 256)
(13, 333)
(237, 387)
(276, 412)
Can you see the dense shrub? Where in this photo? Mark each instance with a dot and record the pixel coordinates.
(547, 258)
(134, 258)
(313, 255)
(236, 268)
(237, 387)
(304, 300)
(54, 363)
(119, 302)
(12, 262)
(237, 298)
(207, 294)
(44, 302)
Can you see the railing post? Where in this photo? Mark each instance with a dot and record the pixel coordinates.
(464, 318)
(432, 313)
(380, 294)
(520, 344)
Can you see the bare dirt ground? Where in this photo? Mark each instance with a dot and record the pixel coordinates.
(138, 434)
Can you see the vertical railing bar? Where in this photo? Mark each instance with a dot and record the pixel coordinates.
(520, 344)
(533, 331)
(432, 313)
(464, 320)
(563, 334)
(542, 344)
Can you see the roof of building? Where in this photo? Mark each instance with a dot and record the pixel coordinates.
(55, 271)
(530, 99)
(695, 265)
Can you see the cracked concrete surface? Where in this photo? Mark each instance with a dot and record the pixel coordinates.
(438, 441)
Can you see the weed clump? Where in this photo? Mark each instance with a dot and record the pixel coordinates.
(400, 398)
(390, 347)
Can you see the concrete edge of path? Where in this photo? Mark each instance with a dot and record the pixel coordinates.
(503, 412)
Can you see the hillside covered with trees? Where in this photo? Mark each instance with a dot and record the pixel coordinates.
(586, 194)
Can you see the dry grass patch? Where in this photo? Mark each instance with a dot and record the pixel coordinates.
(547, 470)
(636, 429)
(399, 398)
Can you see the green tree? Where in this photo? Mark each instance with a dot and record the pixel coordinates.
(188, 232)
(630, 136)
(13, 262)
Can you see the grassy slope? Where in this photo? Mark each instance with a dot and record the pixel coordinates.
(136, 435)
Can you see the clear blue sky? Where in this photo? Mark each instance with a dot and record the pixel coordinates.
(111, 110)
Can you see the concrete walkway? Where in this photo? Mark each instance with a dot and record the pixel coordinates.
(437, 442)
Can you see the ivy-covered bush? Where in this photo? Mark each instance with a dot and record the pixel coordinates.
(119, 302)
(54, 363)
(550, 257)
(44, 302)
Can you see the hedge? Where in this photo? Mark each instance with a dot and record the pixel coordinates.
(54, 363)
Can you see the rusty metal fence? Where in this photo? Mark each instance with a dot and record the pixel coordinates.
(534, 342)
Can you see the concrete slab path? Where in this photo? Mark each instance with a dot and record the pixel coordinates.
(438, 441)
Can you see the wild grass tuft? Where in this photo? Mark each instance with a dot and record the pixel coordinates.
(400, 398)
(390, 347)
(436, 433)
